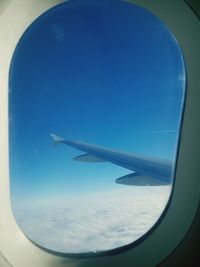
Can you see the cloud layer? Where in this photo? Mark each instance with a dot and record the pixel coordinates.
(95, 221)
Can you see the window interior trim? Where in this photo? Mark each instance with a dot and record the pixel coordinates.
(15, 17)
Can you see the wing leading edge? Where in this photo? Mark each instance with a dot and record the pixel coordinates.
(147, 171)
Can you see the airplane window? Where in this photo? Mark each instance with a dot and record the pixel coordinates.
(104, 81)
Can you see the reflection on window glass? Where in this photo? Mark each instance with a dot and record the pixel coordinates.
(104, 81)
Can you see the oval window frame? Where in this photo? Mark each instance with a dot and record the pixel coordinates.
(186, 190)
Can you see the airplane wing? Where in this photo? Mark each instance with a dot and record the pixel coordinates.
(146, 171)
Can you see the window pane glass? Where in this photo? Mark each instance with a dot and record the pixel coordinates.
(104, 81)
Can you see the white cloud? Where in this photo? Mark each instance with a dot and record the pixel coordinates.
(93, 222)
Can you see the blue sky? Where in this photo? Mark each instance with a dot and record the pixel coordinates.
(104, 72)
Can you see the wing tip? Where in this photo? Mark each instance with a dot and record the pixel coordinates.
(57, 139)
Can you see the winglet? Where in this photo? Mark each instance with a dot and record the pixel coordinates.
(57, 140)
